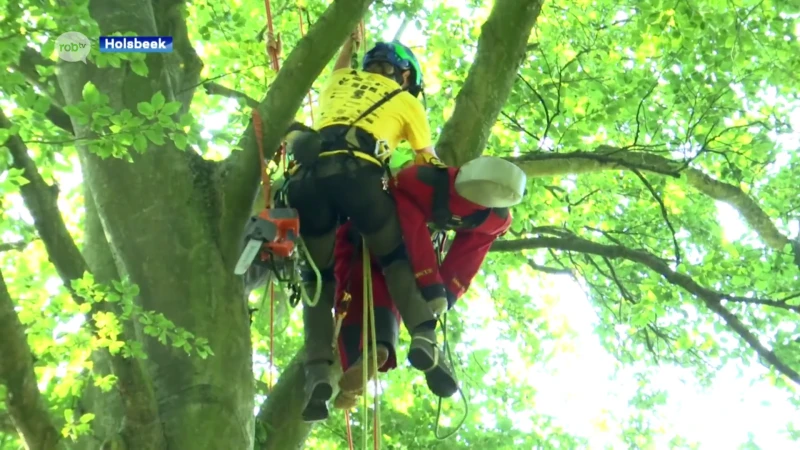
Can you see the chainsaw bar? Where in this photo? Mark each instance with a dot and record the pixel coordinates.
(248, 255)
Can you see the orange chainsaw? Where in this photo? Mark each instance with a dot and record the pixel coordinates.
(272, 239)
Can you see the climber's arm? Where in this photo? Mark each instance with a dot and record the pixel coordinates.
(418, 133)
(465, 257)
(346, 55)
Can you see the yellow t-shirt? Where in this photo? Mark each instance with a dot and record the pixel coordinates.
(348, 93)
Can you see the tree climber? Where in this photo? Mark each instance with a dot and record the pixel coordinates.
(363, 115)
(473, 201)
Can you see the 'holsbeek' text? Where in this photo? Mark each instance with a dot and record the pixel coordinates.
(135, 44)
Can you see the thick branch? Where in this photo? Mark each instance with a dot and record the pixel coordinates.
(28, 60)
(240, 172)
(218, 89)
(9, 246)
(612, 158)
(712, 299)
(40, 199)
(279, 425)
(24, 401)
(501, 49)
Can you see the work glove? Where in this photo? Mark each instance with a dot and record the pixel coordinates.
(425, 158)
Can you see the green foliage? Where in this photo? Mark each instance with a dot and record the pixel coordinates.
(108, 324)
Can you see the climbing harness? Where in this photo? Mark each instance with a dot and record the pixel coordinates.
(443, 219)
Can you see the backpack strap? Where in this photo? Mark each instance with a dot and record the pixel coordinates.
(440, 181)
(350, 133)
(375, 106)
(443, 218)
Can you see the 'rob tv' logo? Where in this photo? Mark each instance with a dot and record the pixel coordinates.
(73, 46)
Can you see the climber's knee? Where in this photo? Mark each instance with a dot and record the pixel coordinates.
(398, 254)
(433, 291)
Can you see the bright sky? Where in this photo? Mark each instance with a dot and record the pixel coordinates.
(579, 384)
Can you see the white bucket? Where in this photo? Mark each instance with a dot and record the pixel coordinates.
(491, 182)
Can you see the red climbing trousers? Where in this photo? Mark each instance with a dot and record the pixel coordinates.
(349, 270)
(426, 195)
(423, 194)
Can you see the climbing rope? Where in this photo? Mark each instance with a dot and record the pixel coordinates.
(439, 240)
(348, 429)
(354, 62)
(369, 342)
(273, 43)
(271, 332)
(312, 302)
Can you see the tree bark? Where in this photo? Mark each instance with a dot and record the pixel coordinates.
(501, 49)
(278, 424)
(155, 212)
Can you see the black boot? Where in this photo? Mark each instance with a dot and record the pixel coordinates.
(318, 325)
(424, 354)
(318, 391)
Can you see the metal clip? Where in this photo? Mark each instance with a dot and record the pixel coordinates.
(382, 149)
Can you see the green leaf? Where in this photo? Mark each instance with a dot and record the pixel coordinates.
(42, 104)
(158, 100)
(86, 418)
(180, 141)
(139, 67)
(90, 94)
(171, 108)
(156, 137)
(186, 120)
(140, 143)
(145, 109)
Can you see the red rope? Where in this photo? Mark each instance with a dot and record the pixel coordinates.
(271, 331)
(349, 431)
(273, 44)
(259, 132)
